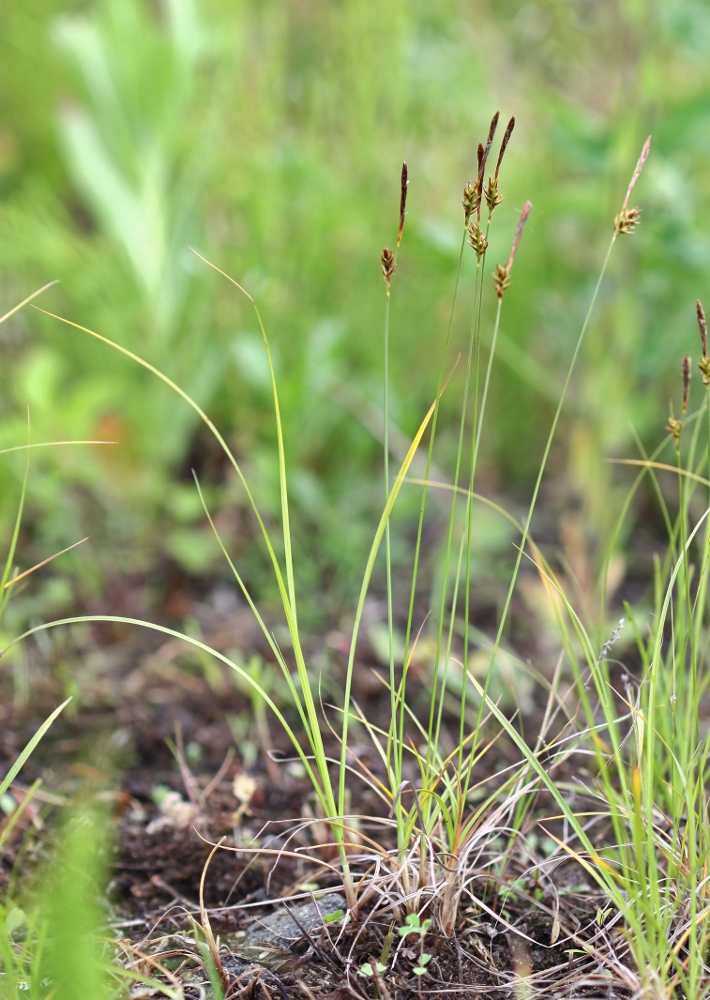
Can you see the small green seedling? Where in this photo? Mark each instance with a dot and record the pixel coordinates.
(367, 969)
(374, 970)
(415, 925)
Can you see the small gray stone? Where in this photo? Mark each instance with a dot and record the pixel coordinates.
(270, 942)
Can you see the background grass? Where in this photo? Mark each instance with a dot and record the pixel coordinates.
(270, 135)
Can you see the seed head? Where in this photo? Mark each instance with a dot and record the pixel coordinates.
(491, 194)
(501, 279)
(469, 201)
(627, 220)
(388, 265)
(476, 238)
(674, 426)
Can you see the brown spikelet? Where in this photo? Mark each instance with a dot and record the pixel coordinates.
(501, 279)
(702, 323)
(489, 142)
(627, 220)
(483, 153)
(504, 145)
(685, 369)
(492, 194)
(476, 238)
(704, 364)
(388, 265)
(402, 202)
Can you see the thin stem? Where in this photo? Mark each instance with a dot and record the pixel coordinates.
(541, 472)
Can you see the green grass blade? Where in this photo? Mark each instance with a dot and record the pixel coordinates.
(21, 760)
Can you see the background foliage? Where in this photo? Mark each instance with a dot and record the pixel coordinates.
(269, 134)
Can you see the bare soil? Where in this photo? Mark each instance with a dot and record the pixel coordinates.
(175, 753)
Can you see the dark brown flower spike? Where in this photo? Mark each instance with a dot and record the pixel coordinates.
(483, 159)
(675, 425)
(402, 202)
(704, 363)
(504, 145)
(489, 143)
(702, 323)
(685, 369)
(388, 265)
(501, 276)
(490, 191)
(628, 218)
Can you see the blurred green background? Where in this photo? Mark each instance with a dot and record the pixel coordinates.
(269, 135)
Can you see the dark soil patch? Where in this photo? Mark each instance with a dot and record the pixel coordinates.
(177, 750)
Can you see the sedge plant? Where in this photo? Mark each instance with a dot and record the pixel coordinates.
(448, 842)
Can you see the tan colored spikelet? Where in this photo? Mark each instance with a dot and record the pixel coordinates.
(468, 201)
(674, 426)
(491, 194)
(476, 238)
(627, 220)
(388, 265)
(501, 279)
